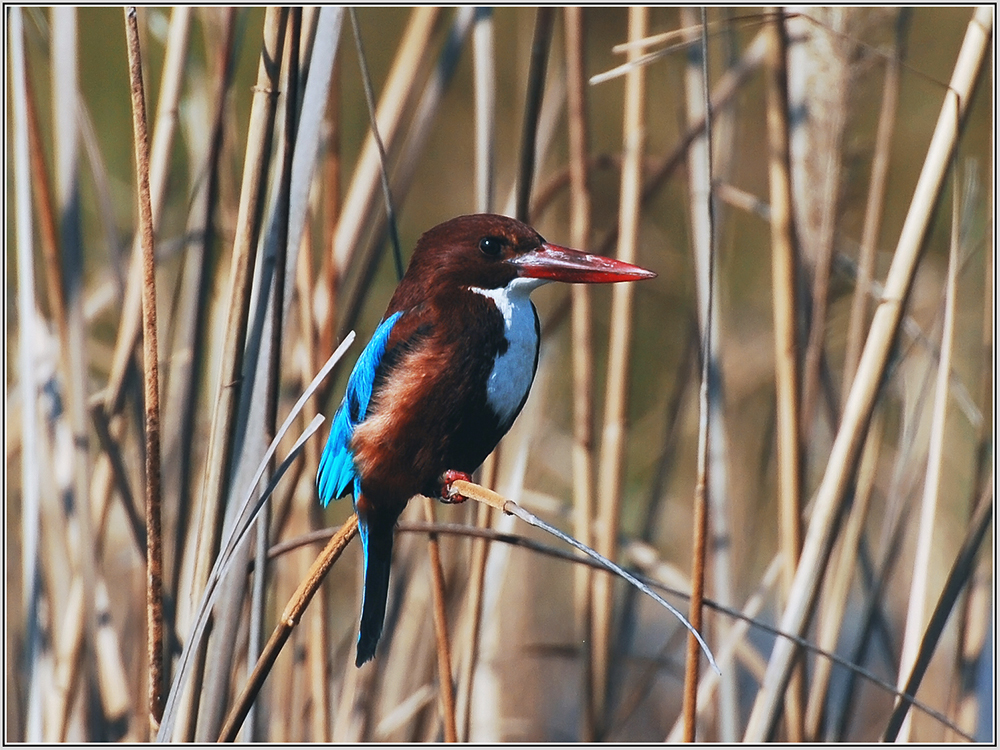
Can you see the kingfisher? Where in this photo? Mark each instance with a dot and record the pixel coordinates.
(443, 378)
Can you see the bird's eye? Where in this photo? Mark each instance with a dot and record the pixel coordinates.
(491, 246)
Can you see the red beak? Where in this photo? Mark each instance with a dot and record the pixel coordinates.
(563, 264)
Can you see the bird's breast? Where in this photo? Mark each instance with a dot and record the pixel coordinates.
(514, 364)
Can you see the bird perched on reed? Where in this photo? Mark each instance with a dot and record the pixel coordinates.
(443, 377)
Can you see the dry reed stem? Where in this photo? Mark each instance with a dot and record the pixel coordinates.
(703, 247)
(250, 505)
(583, 365)
(116, 697)
(65, 94)
(873, 208)
(318, 637)
(290, 617)
(255, 166)
(786, 353)
(932, 479)
(612, 452)
(874, 358)
(151, 380)
(484, 71)
(446, 691)
(278, 230)
(538, 60)
(960, 573)
(24, 121)
(159, 168)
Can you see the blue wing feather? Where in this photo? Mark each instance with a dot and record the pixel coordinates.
(337, 474)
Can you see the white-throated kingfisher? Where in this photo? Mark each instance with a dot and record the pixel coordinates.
(443, 378)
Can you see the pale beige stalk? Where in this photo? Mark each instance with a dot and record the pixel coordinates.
(786, 353)
(612, 452)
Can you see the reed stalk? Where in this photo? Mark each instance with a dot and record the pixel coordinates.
(159, 162)
(65, 92)
(484, 73)
(703, 247)
(610, 472)
(583, 364)
(27, 383)
(786, 354)
(151, 381)
(446, 691)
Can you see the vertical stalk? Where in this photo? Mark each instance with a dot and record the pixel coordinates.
(151, 393)
(612, 455)
(583, 366)
(703, 232)
(446, 691)
(30, 480)
(65, 93)
(786, 355)
(485, 125)
(159, 161)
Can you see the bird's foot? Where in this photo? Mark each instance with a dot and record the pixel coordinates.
(448, 495)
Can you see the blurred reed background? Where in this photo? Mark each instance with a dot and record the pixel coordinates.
(858, 442)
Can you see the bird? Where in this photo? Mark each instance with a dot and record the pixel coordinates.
(443, 378)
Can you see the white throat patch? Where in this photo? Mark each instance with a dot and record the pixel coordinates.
(513, 370)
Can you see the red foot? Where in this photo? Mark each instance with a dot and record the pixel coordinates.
(447, 495)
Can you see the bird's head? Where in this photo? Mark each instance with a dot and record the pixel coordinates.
(489, 251)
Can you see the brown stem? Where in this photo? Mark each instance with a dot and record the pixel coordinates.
(786, 356)
(446, 690)
(151, 393)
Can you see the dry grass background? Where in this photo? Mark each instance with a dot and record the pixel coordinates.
(820, 135)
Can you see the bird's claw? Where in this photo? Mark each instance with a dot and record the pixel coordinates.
(449, 495)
